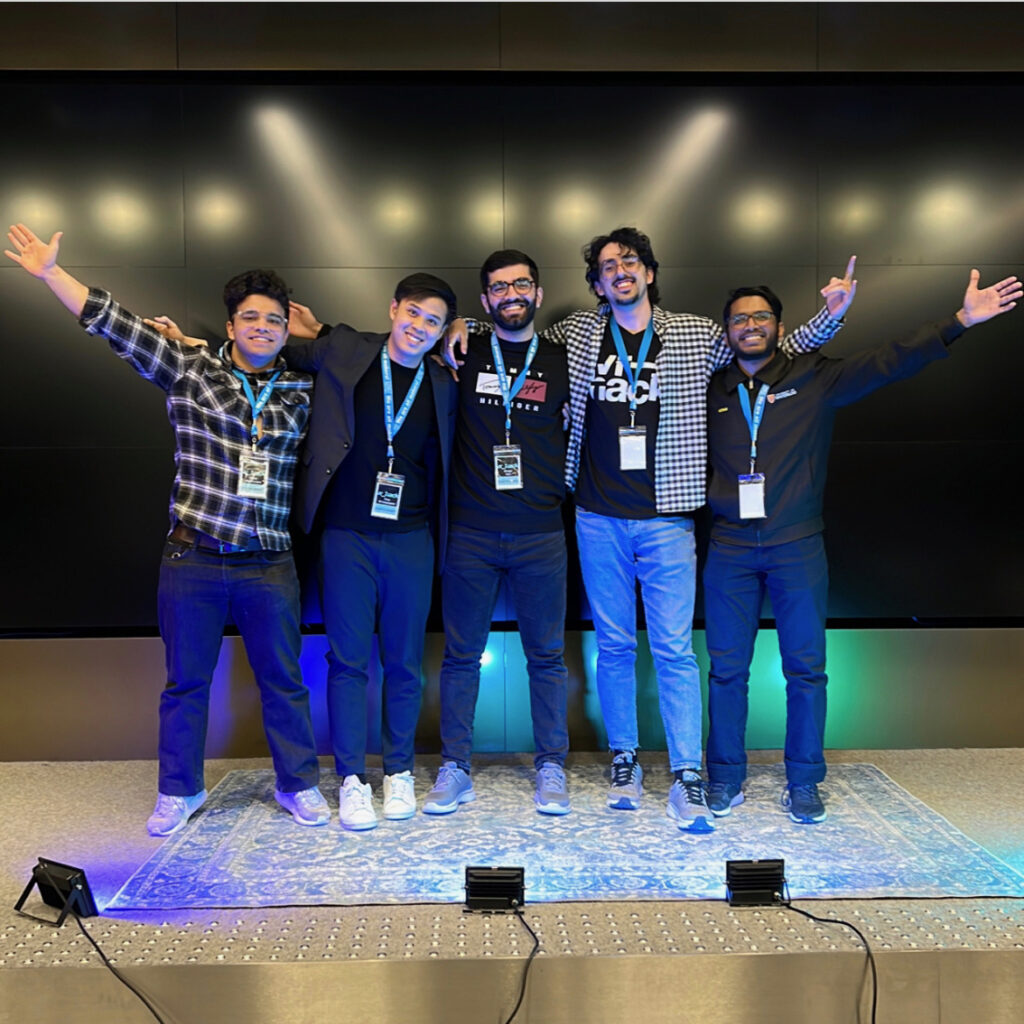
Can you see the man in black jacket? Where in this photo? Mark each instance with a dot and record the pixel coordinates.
(769, 429)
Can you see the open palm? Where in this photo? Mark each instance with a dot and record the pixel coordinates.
(35, 255)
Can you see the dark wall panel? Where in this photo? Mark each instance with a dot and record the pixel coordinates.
(166, 189)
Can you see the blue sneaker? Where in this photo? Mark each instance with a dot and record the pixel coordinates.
(804, 804)
(723, 797)
(552, 796)
(453, 787)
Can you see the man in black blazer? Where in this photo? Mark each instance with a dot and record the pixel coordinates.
(374, 471)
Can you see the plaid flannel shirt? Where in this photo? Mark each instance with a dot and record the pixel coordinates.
(692, 349)
(212, 419)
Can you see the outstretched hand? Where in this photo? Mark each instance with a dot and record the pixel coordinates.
(35, 255)
(166, 326)
(839, 291)
(981, 304)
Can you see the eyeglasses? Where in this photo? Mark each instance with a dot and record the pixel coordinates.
(253, 316)
(761, 317)
(630, 261)
(523, 285)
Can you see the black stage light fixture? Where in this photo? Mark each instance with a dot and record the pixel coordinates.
(60, 886)
(494, 890)
(755, 883)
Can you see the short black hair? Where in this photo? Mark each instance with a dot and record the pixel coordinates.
(762, 291)
(424, 286)
(506, 258)
(255, 282)
(628, 238)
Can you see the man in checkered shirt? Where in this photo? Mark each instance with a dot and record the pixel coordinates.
(238, 417)
(637, 461)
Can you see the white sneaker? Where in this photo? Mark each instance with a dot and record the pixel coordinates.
(171, 813)
(355, 805)
(399, 796)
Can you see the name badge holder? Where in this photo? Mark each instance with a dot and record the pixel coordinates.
(632, 439)
(508, 457)
(387, 493)
(254, 466)
(751, 485)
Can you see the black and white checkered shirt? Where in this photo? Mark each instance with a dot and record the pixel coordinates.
(212, 419)
(692, 349)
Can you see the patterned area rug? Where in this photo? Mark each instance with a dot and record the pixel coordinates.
(242, 850)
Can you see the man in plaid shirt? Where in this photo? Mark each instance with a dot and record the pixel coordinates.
(238, 417)
(637, 461)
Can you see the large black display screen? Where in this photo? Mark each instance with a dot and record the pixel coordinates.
(165, 187)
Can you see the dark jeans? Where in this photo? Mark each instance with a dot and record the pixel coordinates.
(375, 582)
(198, 590)
(795, 576)
(534, 564)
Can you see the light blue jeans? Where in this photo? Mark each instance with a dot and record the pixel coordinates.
(661, 554)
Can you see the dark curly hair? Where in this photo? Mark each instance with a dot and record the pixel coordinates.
(255, 282)
(628, 238)
(761, 291)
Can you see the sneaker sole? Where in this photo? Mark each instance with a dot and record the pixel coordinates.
(403, 815)
(552, 808)
(699, 824)
(463, 798)
(359, 826)
(623, 803)
(721, 813)
(807, 820)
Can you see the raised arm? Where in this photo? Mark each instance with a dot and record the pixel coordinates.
(983, 304)
(39, 258)
(838, 295)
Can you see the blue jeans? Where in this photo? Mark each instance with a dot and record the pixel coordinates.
(198, 590)
(375, 582)
(534, 564)
(659, 553)
(795, 576)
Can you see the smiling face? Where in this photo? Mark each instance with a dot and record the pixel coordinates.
(259, 329)
(752, 329)
(623, 276)
(416, 325)
(514, 308)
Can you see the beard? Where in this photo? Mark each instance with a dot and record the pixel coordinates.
(517, 320)
(768, 346)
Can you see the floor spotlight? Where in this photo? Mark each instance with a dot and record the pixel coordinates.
(755, 883)
(494, 890)
(60, 886)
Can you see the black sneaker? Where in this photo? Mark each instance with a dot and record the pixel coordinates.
(804, 804)
(723, 797)
(627, 782)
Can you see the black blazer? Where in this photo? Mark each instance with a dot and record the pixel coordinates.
(339, 360)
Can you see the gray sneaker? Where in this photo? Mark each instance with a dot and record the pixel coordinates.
(552, 796)
(688, 806)
(453, 787)
(627, 782)
(171, 813)
(307, 806)
(723, 797)
(804, 804)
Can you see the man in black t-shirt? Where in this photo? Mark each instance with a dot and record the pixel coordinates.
(505, 502)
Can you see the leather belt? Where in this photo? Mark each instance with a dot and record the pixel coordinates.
(198, 539)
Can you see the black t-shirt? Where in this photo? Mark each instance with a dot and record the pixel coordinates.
(536, 428)
(603, 487)
(350, 495)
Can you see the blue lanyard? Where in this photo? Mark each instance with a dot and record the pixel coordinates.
(641, 358)
(753, 419)
(507, 393)
(393, 423)
(257, 404)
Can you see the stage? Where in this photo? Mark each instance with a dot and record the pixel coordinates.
(940, 959)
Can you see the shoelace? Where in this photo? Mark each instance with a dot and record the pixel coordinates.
(694, 789)
(446, 776)
(361, 794)
(623, 771)
(552, 777)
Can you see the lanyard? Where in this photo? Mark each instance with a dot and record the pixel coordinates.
(393, 423)
(508, 393)
(641, 358)
(753, 418)
(257, 404)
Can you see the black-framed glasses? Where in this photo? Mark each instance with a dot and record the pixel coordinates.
(523, 285)
(760, 317)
